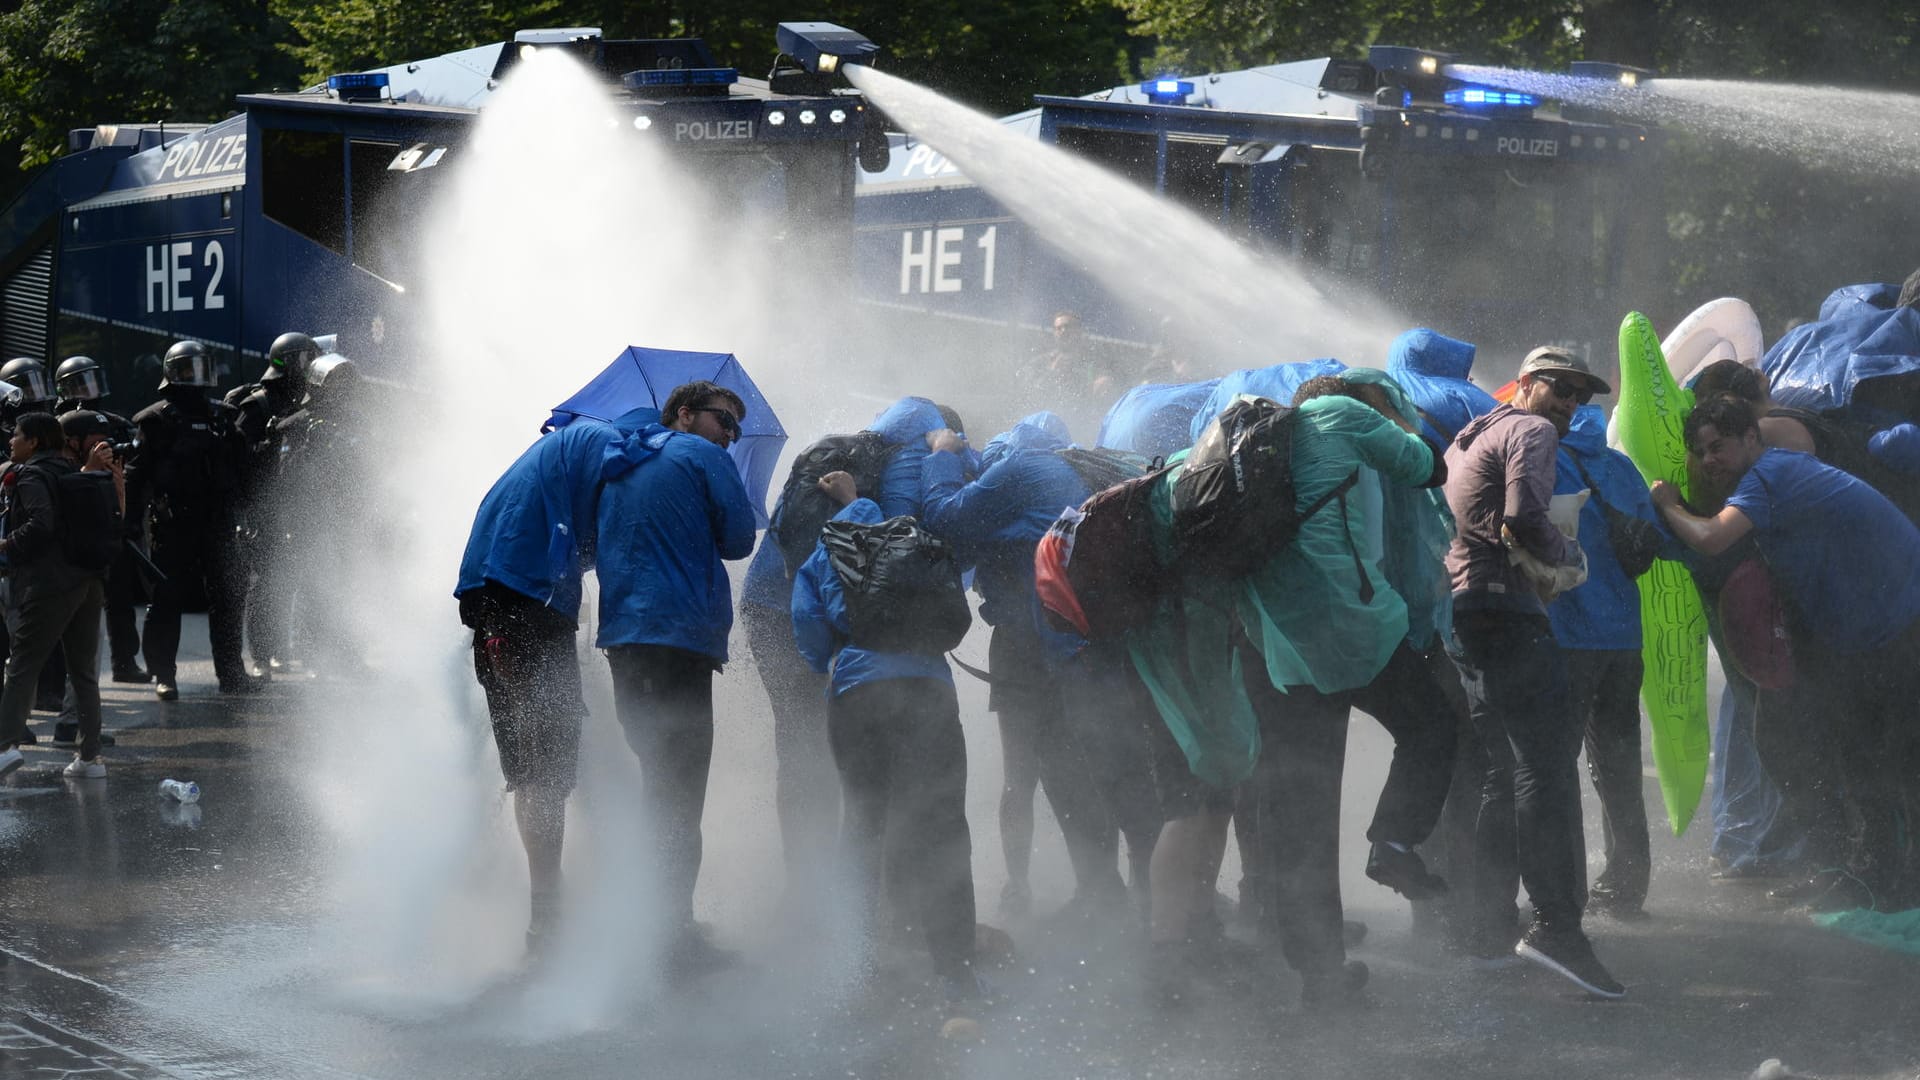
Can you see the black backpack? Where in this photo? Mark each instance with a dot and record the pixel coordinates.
(90, 519)
(803, 509)
(902, 586)
(1234, 503)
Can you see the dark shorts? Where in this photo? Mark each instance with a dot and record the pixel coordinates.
(525, 659)
(1024, 685)
(1181, 794)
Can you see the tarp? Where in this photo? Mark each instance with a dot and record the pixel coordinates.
(642, 378)
(1276, 383)
(1153, 420)
(1821, 365)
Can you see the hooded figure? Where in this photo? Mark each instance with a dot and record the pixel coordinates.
(996, 521)
(1603, 613)
(1156, 419)
(1860, 357)
(1276, 383)
(1433, 369)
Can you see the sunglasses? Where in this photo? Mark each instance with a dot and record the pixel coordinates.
(728, 422)
(1564, 388)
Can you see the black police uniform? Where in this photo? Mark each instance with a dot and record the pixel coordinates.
(126, 587)
(186, 476)
(263, 534)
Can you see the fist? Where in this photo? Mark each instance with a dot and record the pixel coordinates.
(1664, 495)
(839, 487)
(946, 439)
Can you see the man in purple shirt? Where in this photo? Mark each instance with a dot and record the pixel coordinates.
(1500, 477)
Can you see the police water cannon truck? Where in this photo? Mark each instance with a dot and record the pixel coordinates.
(1480, 210)
(295, 213)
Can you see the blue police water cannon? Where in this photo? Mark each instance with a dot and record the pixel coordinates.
(1624, 80)
(814, 54)
(1408, 76)
(1630, 77)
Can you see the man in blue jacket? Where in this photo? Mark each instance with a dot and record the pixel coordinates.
(1598, 626)
(995, 522)
(673, 507)
(806, 795)
(894, 725)
(519, 591)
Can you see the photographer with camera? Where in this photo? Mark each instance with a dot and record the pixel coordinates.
(63, 525)
(81, 384)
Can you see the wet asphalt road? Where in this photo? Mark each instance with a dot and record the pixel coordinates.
(140, 940)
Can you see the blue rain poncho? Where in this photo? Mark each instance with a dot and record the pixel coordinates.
(1156, 419)
(1830, 364)
(1604, 612)
(1433, 368)
(1275, 383)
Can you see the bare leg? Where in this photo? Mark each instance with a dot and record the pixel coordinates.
(1020, 769)
(1185, 863)
(542, 817)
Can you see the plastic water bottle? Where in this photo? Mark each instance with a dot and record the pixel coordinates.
(185, 791)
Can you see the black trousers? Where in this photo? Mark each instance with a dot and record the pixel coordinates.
(1528, 830)
(903, 762)
(1296, 804)
(1107, 711)
(806, 788)
(525, 660)
(664, 699)
(196, 553)
(1855, 730)
(1604, 685)
(1027, 692)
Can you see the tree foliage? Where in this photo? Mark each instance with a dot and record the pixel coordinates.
(68, 64)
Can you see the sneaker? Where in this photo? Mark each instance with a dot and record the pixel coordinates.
(166, 691)
(1568, 954)
(78, 769)
(11, 759)
(1488, 964)
(1342, 988)
(1403, 872)
(28, 738)
(135, 675)
(68, 735)
(1609, 905)
(691, 955)
(966, 988)
(245, 685)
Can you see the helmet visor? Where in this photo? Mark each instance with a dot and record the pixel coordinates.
(85, 385)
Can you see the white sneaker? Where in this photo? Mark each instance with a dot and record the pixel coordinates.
(11, 760)
(85, 770)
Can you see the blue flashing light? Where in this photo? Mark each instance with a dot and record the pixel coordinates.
(659, 77)
(1167, 91)
(362, 81)
(1483, 97)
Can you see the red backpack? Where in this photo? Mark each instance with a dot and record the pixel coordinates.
(1095, 570)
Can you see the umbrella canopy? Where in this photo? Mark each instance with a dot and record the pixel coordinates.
(642, 378)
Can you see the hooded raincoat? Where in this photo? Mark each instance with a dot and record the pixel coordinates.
(534, 532)
(672, 509)
(1603, 613)
(1433, 368)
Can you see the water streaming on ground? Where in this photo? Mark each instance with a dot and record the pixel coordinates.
(1146, 250)
(1833, 127)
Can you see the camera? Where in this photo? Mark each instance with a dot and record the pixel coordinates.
(122, 448)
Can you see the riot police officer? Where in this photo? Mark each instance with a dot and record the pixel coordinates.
(279, 394)
(81, 383)
(36, 392)
(323, 454)
(184, 482)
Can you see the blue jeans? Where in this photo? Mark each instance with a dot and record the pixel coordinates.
(1529, 826)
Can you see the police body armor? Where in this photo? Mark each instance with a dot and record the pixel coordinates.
(191, 457)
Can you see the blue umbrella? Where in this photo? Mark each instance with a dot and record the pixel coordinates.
(642, 378)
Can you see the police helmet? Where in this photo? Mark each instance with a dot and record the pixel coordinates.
(332, 377)
(187, 364)
(12, 397)
(30, 376)
(79, 378)
(291, 354)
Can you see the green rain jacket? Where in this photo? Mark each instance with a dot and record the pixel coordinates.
(1302, 610)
